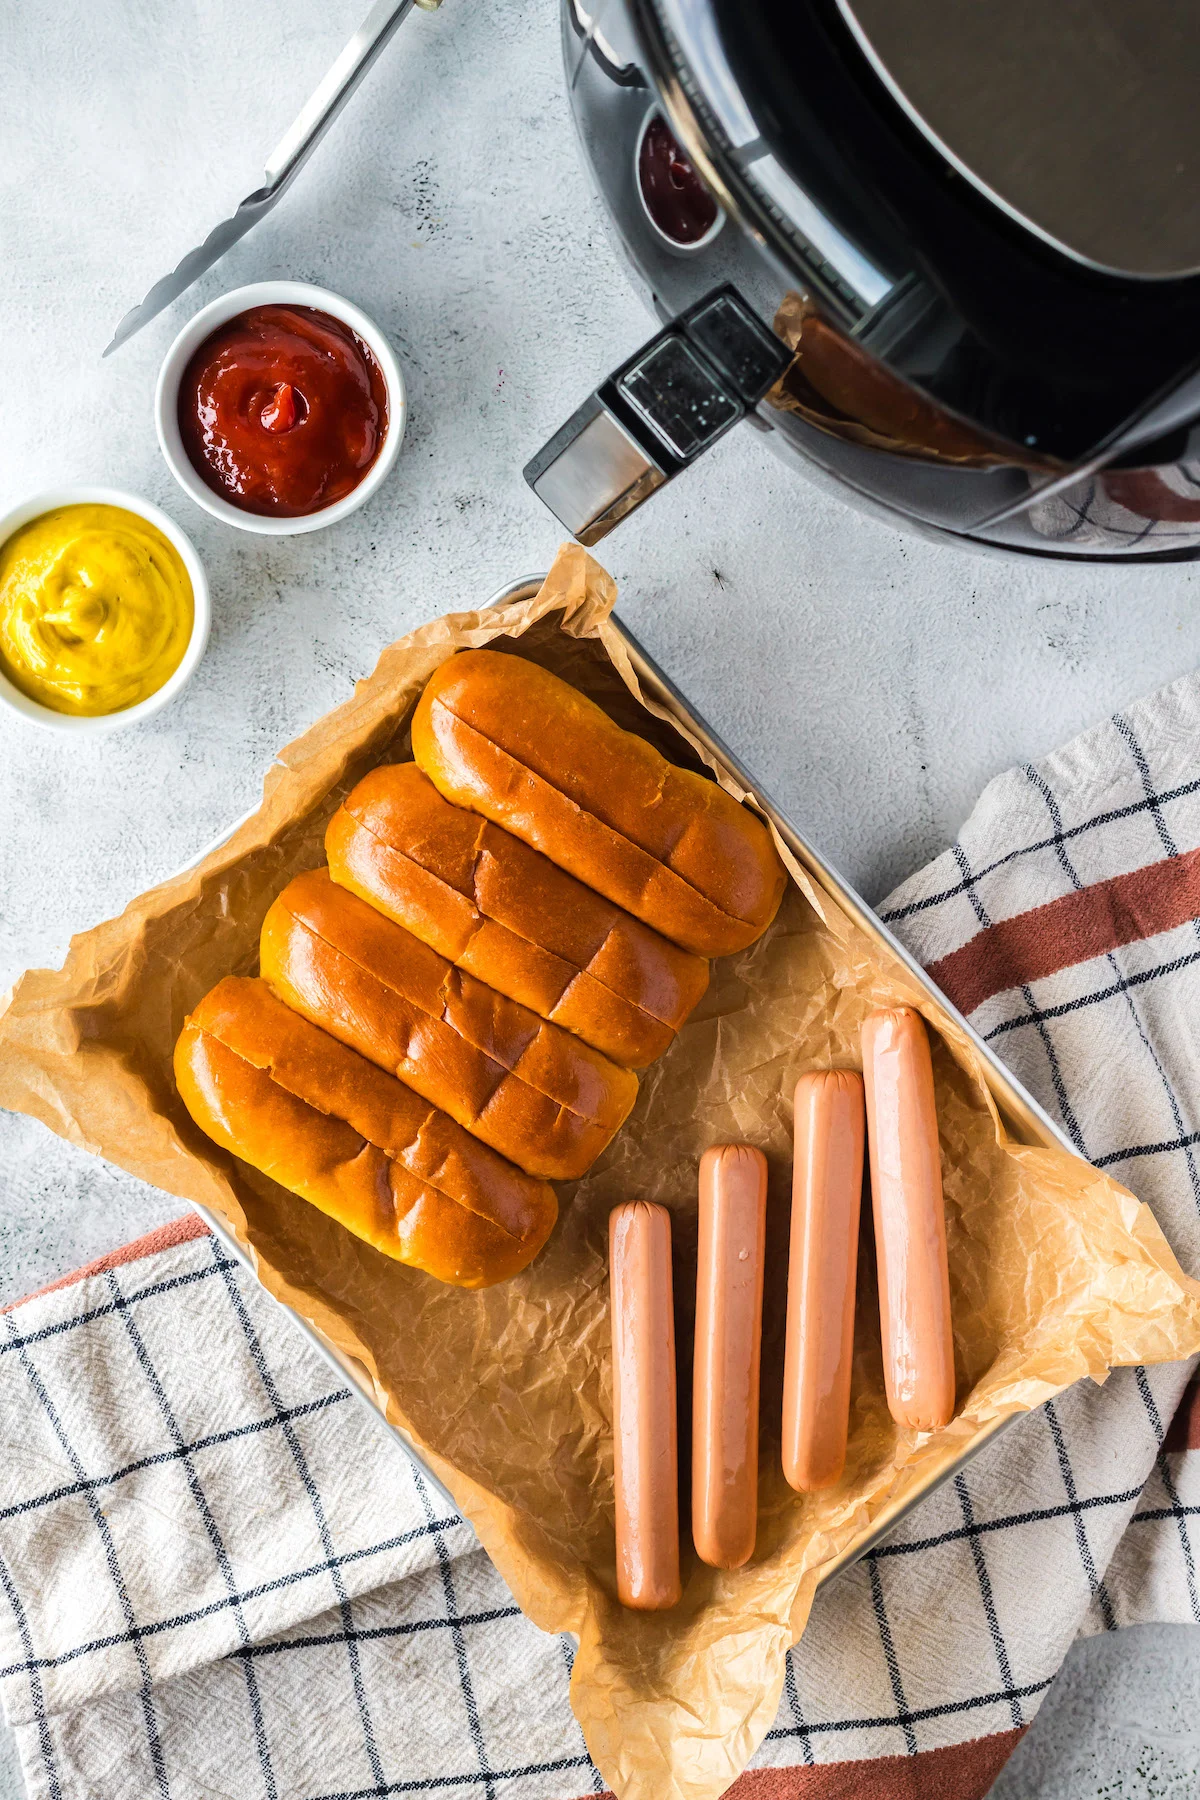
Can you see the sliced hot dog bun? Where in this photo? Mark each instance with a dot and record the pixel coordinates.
(290, 1100)
(507, 739)
(536, 1094)
(510, 917)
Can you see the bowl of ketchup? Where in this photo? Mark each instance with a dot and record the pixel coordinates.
(280, 408)
(677, 203)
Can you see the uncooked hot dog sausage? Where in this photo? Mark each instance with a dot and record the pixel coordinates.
(645, 1450)
(910, 1223)
(827, 1171)
(729, 1290)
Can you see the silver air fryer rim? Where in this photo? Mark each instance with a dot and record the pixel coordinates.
(1109, 226)
(713, 122)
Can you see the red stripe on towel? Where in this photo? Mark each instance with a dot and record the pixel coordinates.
(1072, 929)
(177, 1231)
(1183, 1433)
(956, 1772)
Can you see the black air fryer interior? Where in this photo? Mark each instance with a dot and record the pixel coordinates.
(992, 321)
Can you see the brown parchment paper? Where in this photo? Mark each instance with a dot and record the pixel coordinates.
(835, 385)
(1056, 1271)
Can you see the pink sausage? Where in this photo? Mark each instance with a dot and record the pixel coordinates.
(827, 1171)
(645, 1449)
(729, 1292)
(910, 1222)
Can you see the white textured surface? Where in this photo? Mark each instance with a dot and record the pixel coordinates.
(873, 681)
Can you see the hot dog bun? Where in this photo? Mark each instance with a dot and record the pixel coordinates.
(534, 1093)
(285, 1097)
(505, 738)
(508, 916)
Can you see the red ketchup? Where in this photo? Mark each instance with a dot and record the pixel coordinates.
(676, 198)
(282, 410)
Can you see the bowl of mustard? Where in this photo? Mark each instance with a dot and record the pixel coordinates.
(104, 609)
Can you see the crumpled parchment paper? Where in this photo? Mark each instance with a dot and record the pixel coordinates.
(1056, 1271)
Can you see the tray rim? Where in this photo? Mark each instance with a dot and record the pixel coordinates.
(1024, 1118)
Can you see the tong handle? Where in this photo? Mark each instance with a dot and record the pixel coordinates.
(322, 108)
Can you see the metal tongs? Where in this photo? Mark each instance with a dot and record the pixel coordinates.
(285, 161)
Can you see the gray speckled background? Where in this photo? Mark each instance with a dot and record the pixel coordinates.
(872, 680)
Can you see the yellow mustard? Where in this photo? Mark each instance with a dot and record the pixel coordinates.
(95, 609)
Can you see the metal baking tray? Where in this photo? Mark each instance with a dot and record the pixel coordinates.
(1023, 1118)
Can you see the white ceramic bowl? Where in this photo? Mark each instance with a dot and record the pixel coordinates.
(12, 697)
(166, 403)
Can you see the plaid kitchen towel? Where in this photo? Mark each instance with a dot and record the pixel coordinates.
(222, 1578)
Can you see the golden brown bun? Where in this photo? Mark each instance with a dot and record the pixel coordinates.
(509, 916)
(507, 739)
(533, 1092)
(359, 1145)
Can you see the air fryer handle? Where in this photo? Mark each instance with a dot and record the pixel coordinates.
(656, 414)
